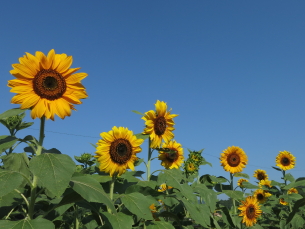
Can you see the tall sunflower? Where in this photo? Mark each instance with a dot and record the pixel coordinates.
(261, 195)
(47, 85)
(116, 152)
(240, 182)
(260, 174)
(266, 183)
(172, 159)
(159, 124)
(292, 190)
(250, 210)
(285, 160)
(233, 159)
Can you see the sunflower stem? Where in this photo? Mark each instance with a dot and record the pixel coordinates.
(111, 190)
(34, 183)
(148, 160)
(231, 180)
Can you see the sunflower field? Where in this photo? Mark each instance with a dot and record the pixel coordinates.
(43, 188)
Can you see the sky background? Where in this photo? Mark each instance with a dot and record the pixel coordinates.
(232, 70)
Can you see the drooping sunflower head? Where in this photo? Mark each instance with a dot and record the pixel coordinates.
(283, 202)
(172, 158)
(240, 182)
(117, 150)
(47, 85)
(285, 160)
(261, 195)
(164, 187)
(292, 190)
(266, 183)
(260, 174)
(233, 159)
(159, 124)
(250, 210)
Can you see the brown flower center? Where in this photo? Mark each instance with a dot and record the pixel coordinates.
(250, 211)
(171, 157)
(49, 84)
(285, 161)
(120, 151)
(233, 159)
(261, 176)
(160, 125)
(260, 196)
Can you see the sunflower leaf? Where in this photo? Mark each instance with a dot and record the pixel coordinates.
(276, 168)
(289, 177)
(159, 225)
(11, 112)
(241, 175)
(249, 185)
(54, 171)
(91, 190)
(137, 112)
(27, 223)
(142, 136)
(119, 221)
(9, 181)
(6, 142)
(237, 195)
(138, 204)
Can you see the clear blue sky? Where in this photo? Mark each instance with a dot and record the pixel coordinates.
(232, 70)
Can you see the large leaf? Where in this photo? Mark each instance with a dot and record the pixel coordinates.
(27, 224)
(9, 202)
(249, 185)
(11, 112)
(295, 184)
(91, 190)
(54, 171)
(237, 195)
(138, 204)
(298, 204)
(119, 221)
(245, 175)
(159, 225)
(142, 136)
(6, 142)
(208, 195)
(9, 180)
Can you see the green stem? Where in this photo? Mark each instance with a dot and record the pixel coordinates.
(76, 222)
(111, 190)
(35, 179)
(231, 180)
(148, 160)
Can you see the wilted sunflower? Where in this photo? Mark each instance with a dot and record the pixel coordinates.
(116, 152)
(159, 124)
(240, 182)
(47, 85)
(285, 160)
(266, 183)
(261, 196)
(260, 174)
(164, 187)
(172, 159)
(292, 190)
(250, 210)
(283, 202)
(233, 159)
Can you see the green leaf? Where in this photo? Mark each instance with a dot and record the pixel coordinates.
(298, 204)
(289, 177)
(137, 112)
(208, 195)
(93, 145)
(297, 221)
(276, 168)
(227, 216)
(295, 184)
(241, 175)
(249, 185)
(119, 221)
(142, 136)
(6, 142)
(138, 162)
(91, 190)
(237, 195)
(53, 150)
(9, 180)
(101, 178)
(55, 213)
(54, 171)
(159, 225)
(9, 202)
(138, 204)
(11, 112)
(27, 224)
(24, 125)
(257, 226)
(69, 197)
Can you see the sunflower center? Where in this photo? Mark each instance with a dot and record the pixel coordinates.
(260, 196)
(120, 151)
(233, 160)
(250, 212)
(261, 176)
(160, 125)
(49, 84)
(172, 156)
(285, 161)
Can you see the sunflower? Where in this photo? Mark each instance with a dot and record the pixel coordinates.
(260, 174)
(116, 152)
(47, 85)
(292, 190)
(164, 187)
(233, 159)
(191, 167)
(172, 159)
(261, 196)
(266, 183)
(240, 182)
(250, 210)
(283, 202)
(285, 160)
(159, 124)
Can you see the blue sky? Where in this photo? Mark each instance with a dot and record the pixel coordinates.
(232, 70)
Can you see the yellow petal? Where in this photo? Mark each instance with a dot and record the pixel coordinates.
(76, 78)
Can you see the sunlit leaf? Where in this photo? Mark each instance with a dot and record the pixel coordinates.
(11, 112)
(27, 224)
(9, 181)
